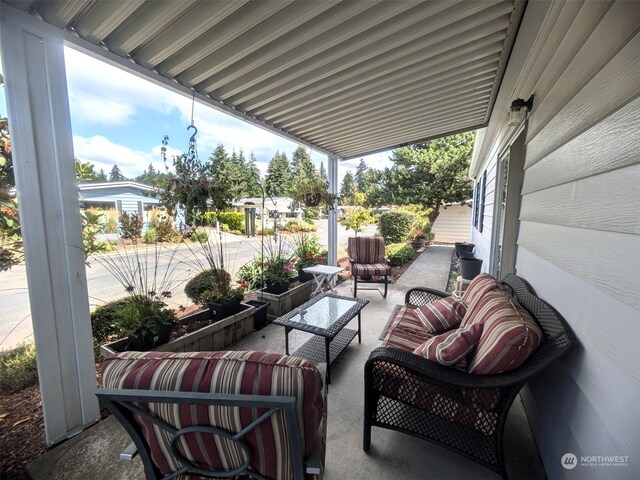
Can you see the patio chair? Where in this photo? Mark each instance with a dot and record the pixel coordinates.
(460, 411)
(220, 414)
(366, 256)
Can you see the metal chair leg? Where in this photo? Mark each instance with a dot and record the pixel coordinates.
(355, 286)
(386, 284)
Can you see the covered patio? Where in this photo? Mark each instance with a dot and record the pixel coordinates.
(352, 78)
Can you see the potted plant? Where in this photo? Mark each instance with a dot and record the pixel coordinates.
(278, 271)
(214, 288)
(148, 276)
(307, 254)
(419, 239)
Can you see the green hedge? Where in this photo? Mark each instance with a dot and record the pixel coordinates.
(233, 220)
(394, 226)
(18, 368)
(398, 253)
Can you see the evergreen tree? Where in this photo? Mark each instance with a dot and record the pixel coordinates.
(253, 177)
(101, 176)
(430, 174)
(116, 175)
(151, 176)
(360, 176)
(278, 179)
(323, 172)
(348, 189)
(226, 178)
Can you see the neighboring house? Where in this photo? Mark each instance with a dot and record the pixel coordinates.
(276, 207)
(557, 202)
(452, 224)
(129, 197)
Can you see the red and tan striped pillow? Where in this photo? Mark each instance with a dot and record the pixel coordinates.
(441, 315)
(509, 336)
(479, 286)
(450, 347)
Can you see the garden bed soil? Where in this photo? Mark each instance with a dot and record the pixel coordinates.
(21, 423)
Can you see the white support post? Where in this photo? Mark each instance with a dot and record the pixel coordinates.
(332, 172)
(40, 126)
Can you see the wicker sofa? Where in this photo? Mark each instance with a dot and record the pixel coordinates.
(220, 414)
(465, 412)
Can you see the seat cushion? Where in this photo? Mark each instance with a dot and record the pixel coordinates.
(510, 334)
(366, 249)
(480, 285)
(364, 269)
(406, 331)
(252, 373)
(442, 315)
(450, 347)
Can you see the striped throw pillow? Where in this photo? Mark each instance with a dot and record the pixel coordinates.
(510, 334)
(478, 287)
(451, 347)
(441, 315)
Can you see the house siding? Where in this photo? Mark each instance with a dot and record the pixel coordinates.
(452, 224)
(482, 239)
(579, 231)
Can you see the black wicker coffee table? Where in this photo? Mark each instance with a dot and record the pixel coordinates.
(325, 316)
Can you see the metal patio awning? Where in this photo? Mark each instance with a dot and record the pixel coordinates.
(346, 77)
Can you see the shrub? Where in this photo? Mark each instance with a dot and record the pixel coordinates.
(110, 221)
(266, 231)
(200, 284)
(355, 219)
(18, 368)
(150, 236)
(196, 235)
(398, 253)
(234, 220)
(394, 226)
(165, 231)
(104, 321)
(131, 226)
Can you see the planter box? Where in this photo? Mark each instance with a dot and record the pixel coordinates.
(287, 301)
(215, 336)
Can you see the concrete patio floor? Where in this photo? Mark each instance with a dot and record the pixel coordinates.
(94, 453)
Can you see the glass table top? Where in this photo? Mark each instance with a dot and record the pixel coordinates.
(324, 313)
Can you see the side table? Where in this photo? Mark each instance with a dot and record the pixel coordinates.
(324, 275)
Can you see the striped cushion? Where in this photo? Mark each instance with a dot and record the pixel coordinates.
(366, 249)
(442, 315)
(480, 285)
(253, 373)
(450, 347)
(361, 269)
(406, 331)
(509, 336)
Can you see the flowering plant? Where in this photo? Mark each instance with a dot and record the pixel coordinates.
(307, 251)
(278, 263)
(420, 235)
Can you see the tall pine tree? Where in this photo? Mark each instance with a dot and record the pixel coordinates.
(253, 177)
(348, 189)
(360, 176)
(278, 180)
(116, 175)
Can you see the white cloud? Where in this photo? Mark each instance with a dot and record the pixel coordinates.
(103, 153)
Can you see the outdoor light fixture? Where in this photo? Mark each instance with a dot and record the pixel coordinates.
(518, 111)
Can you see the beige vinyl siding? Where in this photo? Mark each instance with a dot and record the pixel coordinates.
(453, 224)
(579, 240)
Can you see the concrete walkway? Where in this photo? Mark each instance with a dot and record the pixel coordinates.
(94, 453)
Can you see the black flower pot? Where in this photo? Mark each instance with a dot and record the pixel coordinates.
(464, 254)
(223, 310)
(464, 247)
(304, 276)
(277, 288)
(470, 267)
(260, 315)
(143, 342)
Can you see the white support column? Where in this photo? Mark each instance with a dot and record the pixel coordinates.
(40, 126)
(332, 172)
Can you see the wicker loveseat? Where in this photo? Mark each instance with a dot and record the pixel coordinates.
(220, 414)
(465, 412)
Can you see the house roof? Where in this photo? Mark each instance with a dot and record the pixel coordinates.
(108, 185)
(347, 78)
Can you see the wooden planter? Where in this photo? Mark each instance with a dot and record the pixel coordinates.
(215, 336)
(287, 301)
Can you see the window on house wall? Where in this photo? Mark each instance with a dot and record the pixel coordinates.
(476, 203)
(483, 193)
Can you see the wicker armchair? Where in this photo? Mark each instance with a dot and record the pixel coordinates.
(463, 412)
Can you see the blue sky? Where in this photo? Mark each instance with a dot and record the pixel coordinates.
(119, 118)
